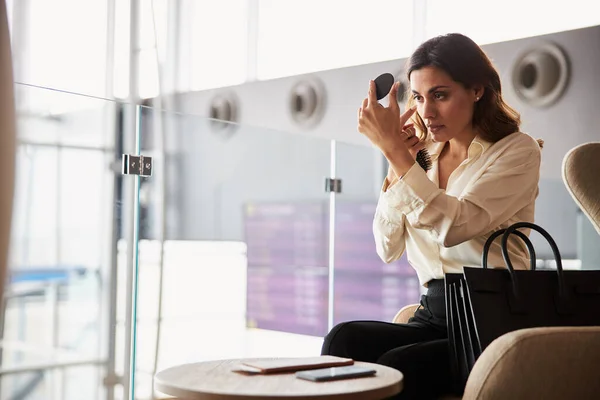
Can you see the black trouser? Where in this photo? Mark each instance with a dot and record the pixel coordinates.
(418, 349)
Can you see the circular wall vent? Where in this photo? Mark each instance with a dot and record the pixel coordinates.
(401, 95)
(404, 86)
(223, 112)
(307, 102)
(541, 74)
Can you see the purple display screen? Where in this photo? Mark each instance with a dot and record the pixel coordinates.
(288, 268)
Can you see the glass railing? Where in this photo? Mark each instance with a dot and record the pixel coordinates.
(243, 268)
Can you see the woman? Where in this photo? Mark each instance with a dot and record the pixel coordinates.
(484, 176)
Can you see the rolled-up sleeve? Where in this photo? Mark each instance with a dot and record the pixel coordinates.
(388, 225)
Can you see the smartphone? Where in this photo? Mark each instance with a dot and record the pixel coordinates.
(335, 373)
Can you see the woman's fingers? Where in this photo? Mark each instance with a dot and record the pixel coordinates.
(410, 130)
(404, 117)
(412, 142)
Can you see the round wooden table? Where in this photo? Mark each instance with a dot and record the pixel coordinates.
(216, 380)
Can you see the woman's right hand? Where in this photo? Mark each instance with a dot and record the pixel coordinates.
(412, 141)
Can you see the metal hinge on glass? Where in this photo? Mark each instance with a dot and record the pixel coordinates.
(137, 165)
(333, 185)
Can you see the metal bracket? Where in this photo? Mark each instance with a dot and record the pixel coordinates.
(136, 165)
(333, 185)
(112, 380)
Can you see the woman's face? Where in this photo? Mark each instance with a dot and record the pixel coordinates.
(445, 106)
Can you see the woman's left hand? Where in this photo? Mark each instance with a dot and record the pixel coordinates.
(383, 125)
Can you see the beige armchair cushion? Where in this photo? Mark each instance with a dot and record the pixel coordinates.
(405, 314)
(539, 363)
(580, 175)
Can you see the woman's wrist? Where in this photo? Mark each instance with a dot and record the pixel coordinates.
(400, 161)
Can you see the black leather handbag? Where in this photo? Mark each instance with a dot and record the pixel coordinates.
(482, 304)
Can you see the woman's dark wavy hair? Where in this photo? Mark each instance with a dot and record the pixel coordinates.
(466, 63)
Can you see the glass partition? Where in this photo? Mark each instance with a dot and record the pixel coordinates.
(364, 286)
(56, 335)
(233, 252)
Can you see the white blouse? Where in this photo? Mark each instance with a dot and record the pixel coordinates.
(444, 230)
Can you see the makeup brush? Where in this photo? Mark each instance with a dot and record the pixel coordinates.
(383, 85)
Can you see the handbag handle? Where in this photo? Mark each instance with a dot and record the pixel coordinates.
(513, 229)
(524, 238)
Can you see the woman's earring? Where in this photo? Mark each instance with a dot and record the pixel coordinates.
(477, 98)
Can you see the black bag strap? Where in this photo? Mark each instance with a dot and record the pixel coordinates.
(524, 238)
(513, 229)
